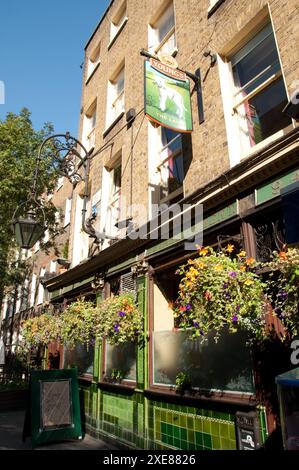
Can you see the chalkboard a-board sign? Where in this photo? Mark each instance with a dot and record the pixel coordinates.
(53, 413)
(248, 430)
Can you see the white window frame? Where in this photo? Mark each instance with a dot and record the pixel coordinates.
(162, 45)
(89, 126)
(115, 98)
(53, 266)
(239, 148)
(32, 289)
(67, 211)
(118, 22)
(41, 289)
(93, 61)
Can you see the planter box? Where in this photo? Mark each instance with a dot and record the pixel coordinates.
(13, 399)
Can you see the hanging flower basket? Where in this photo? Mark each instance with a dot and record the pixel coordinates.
(283, 288)
(117, 319)
(219, 290)
(120, 319)
(39, 331)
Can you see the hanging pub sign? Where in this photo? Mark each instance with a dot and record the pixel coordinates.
(167, 96)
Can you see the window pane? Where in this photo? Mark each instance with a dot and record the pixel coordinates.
(80, 357)
(264, 112)
(123, 358)
(256, 61)
(225, 365)
(165, 22)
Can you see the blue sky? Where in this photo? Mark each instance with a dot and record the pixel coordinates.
(41, 48)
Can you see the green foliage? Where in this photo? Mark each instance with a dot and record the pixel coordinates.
(117, 375)
(77, 323)
(283, 288)
(40, 331)
(218, 290)
(121, 320)
(117, 319)
(182, 381)
(19, 144)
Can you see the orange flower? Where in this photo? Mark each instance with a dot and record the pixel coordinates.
(230, 248)
(283, 256)
(203, 251)
(243, 268)
(250, 261)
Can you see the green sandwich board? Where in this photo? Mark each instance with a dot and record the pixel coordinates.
(53, 411)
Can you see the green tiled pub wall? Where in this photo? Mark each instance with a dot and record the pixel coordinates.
(188, 428)
(146, 424)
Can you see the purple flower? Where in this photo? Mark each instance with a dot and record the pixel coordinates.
(201, 332)
(188, 307)
(277, 310)
(116, 327)
(225, 285)
(232, 274)
(196, 324)
(282, 294)
(227, 295)
(238, 307)
(121, 314)
(234, 318)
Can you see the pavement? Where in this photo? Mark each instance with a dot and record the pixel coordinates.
(11, 428)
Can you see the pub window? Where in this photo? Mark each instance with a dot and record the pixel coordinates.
(93, 60)
(81, 356)
(225, 365)
(170, 156)
(118, 22)
(121, 357)
(89, 126)
(259, 92)
(115, 96)
(162, 38)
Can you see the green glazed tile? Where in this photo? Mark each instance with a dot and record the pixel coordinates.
(215, 428)
(225, 443)
(190, 436)
(183, 421)
(199, 438)
(198, 424)
(232, 432)
(176, 443)
(184, 445)
(190, 423)
(207, 441)
(216, 444)
(232, 444)
(223, 430)
(183, 433)
(206, 426)
(176, 431)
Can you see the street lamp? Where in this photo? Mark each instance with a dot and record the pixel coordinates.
(28, 230)
(70, 158)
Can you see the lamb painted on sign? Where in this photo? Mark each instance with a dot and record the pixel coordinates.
(167, 93)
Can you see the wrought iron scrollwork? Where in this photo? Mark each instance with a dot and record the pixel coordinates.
(68, 155)
(269, 237)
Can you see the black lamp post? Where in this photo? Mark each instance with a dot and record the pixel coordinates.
(28, 223)
(71, 159)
